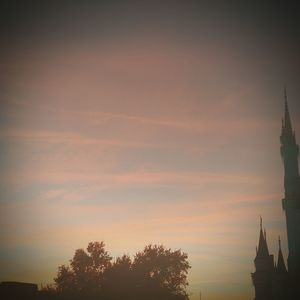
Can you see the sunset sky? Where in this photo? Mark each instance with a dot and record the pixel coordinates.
(138, 122)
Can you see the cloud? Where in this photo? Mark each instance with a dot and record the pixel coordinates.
(135, 178)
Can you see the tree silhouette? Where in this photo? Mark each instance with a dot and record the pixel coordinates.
(162, 269)
(154, 273)
(85, 273)
(65, 279)
(119, 282)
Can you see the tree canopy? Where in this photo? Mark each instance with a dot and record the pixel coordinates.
(155, 272)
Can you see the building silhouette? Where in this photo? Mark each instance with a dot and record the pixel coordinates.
(12, 290)
(272, 280)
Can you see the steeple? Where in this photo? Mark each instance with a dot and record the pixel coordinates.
(264, 268)
(280, 261)
(287, 133)
(262, 250)
(287, 118)
(289, 152)
(263, 260)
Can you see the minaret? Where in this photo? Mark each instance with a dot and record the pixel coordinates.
(291, 202)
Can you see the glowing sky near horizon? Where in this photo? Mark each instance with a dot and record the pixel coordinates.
(136, 124)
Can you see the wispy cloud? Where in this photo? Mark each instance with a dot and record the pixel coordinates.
(138, 141)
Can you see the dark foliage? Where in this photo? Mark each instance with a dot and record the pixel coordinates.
(154, 273)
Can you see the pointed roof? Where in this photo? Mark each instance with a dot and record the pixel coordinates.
(280, 262)
(262, 250)
(287, 134)
(263, 260)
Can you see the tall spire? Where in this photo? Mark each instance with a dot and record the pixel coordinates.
(287, 118)
(260, 222)
(280, 262)
(287, 133)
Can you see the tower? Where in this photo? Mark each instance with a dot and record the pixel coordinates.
(291, 202)
(274, 281)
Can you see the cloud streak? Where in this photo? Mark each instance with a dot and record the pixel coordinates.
(138, 138)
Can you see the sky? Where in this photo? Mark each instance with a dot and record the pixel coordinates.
(137, 122)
